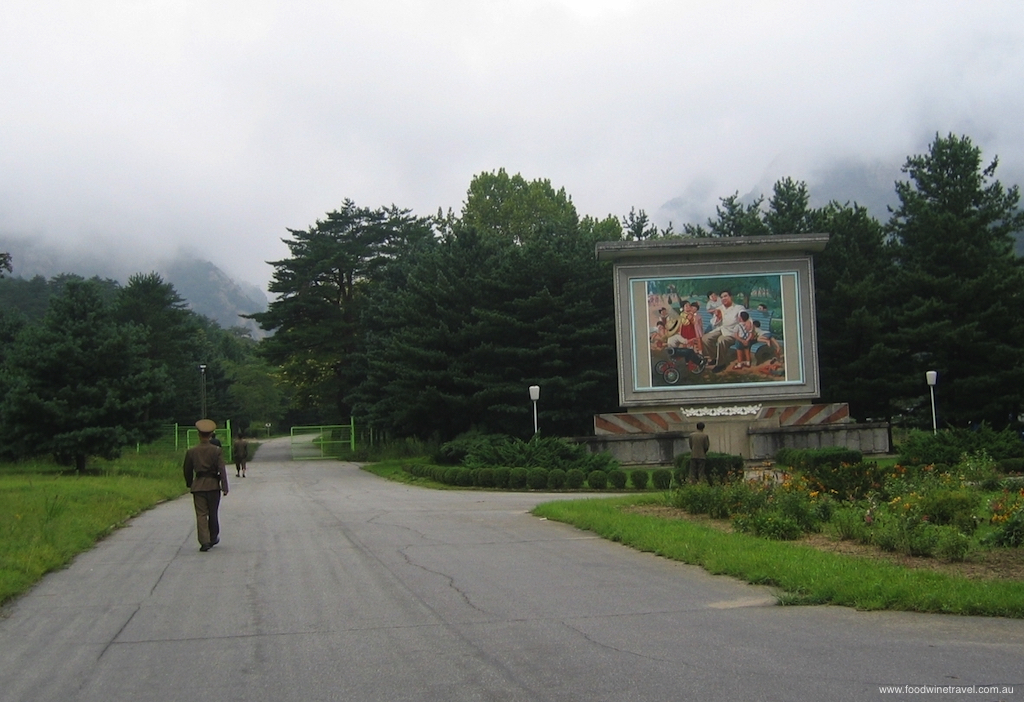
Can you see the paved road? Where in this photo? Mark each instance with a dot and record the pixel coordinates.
(331, 584)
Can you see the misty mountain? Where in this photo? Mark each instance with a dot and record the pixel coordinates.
(213, 294)
(205, 287)
(871, 185)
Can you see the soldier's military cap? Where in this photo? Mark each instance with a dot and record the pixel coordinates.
(206, 426)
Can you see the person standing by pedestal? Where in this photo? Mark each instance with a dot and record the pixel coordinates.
(699, 445)
(207, 478)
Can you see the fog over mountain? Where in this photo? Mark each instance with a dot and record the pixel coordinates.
(207, 289)
(870, 184)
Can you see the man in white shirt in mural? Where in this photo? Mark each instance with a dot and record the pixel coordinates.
(719, 340)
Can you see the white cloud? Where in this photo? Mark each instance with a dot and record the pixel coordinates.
(217, 125)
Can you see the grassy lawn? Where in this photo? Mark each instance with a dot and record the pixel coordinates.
(48, 514)
(801, 574)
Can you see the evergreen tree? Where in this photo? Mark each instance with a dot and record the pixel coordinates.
(788, 209)
(732, 218)
(171, 332)
(79, 384)
(490, 310)
(29, 297)
(852, 279)
(316, 317)
(957, 305)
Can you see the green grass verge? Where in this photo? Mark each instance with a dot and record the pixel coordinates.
(48, 516)
(801, 574)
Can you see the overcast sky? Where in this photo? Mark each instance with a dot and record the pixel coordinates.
(142, 127)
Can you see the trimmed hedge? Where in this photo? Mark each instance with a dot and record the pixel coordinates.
(807, 460)
(574, 479)
(638, 478)
(518, 478)
(556, 479)
(948, 445)
(537, 479)
(662, 478)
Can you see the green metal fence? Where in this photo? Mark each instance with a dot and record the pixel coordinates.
(317, 442)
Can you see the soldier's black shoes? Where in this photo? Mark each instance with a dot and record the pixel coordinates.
(205, 547)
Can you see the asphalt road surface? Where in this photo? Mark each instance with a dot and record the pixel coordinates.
(332, 584)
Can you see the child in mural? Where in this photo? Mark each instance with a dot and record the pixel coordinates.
(745, 338)
(659, 337)
(765, 336)
(714, 304)
(690, 328)
(686, 342)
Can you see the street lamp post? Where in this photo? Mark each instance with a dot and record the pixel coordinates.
(932, 377)
(202, 390)
(535, 395)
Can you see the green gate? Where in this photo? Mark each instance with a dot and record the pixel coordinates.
(313, 443)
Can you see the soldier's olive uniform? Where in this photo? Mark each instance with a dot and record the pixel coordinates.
(207, 478)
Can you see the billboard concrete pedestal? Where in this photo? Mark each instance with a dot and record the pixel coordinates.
(721, 330)
(656, 437)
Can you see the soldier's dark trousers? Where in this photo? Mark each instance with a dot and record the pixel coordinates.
(697, 471)
(207, 503)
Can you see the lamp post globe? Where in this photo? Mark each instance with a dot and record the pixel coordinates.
(932, 377)
(534, 396)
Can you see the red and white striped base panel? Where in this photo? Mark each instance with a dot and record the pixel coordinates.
(799, 415)
(658, 422)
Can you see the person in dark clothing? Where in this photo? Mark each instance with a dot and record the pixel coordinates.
(206, 477)
(699, 445)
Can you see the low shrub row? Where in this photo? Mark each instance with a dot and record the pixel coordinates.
(949, 445)
(807, 460)
(537, 478)
(777, 511)
(475, 450)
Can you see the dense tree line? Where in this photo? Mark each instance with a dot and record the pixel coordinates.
(88, 367)
(432, 326)
(447, 328)
(435, 326)
(937, 287)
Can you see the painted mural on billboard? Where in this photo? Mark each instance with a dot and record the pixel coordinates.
(716, 330)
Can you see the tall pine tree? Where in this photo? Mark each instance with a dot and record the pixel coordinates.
(316, 317)
(957, 304)
(79, 383)
(491, 309)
